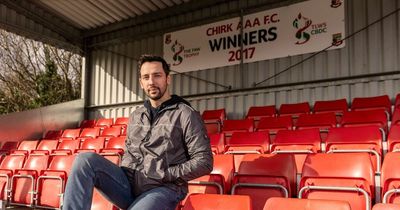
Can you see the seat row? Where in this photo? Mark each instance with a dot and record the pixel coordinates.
(39, 180)
(241, 202)
(215, 119)
(68, 146)
(104, 122)
(366, 139)
(335, 176)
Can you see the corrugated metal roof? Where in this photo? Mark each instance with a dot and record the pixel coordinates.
(90, 14)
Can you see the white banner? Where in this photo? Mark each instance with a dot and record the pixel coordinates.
(300, 28)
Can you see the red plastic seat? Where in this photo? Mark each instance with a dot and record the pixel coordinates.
(265, 176)
(23, 182)
(357, 139)
(217, 202)
(274, 124)
(70, 134)
(231, 126)
(8, 146)
(111, 132)
(122, 121)
(258, 112)
(7, 168)
(53, 134)
(87, 124)
(294, 110)
(297, 142)
(339, 107)
(213, 120)
(217, 141)
(91, 145)
(386, 206)
(218, 181)
(45, 146)
(322, 121)
(305, 204)
(394, 138)
(397, 102)
(366, 118)
(26, 146)
(104, 123)
(396, 116)
(51, 182)
(339, 176)
(248, 142)
(90, 133)
(114, 149)
(67, 147)
(390, 178)
(372, 103)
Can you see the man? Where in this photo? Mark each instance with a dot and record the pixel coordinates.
(166, 146)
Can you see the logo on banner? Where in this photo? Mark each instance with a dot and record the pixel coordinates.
(168, 39)
(337, 39)
(302, 24)
(177, 48)
(336, 3)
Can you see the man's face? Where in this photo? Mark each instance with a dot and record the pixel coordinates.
(153, 80)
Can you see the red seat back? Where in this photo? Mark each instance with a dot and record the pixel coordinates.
(370, 103)
(390, 178)
(217, 202)
(305, 204)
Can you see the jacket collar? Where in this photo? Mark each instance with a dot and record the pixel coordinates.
(171, 103)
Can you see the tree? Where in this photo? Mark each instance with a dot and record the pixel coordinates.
(33, 74)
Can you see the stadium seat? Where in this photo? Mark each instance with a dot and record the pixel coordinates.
(7, 168)
(339, 176)
(322, 121)
(366, 118)
(294, 110)
(372, 103)
(67, 147)
(53, 134)
(390, 178)
(91, 145)
(366, 139)
(257, 112)
(217, 202)
(89, 133)
(265, 176)
(104, 123)
(23, 182)
(87, 124)
(8, 146)
(339, 107)
(231, 126)
(51, 182)
(114, 149)
(396, 116)
(218, 181)
(70, 134)
(248, 142)
(26, 146)
(386, 206)
(213, 120)
(274, 124)
(217, 141)
(397, 102)
(111, 132)
(305, 204)
(121, 122)
(45, 146)
(394, 138)
(297, 142)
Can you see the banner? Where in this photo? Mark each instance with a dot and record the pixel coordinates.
(300, 28)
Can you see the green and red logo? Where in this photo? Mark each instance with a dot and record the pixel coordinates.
(302, 24)
(177, 48)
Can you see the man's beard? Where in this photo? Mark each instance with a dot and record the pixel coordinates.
(157, 96)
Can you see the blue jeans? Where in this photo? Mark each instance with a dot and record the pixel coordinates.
(92, 170)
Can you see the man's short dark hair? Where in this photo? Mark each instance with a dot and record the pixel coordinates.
(153, 58)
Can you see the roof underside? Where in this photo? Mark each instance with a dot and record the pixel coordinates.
(91, 14)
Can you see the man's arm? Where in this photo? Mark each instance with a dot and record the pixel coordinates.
(199, 149)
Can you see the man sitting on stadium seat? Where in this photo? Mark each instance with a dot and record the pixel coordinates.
(166, 146)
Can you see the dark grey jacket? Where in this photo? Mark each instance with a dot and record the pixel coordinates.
(167, 149)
